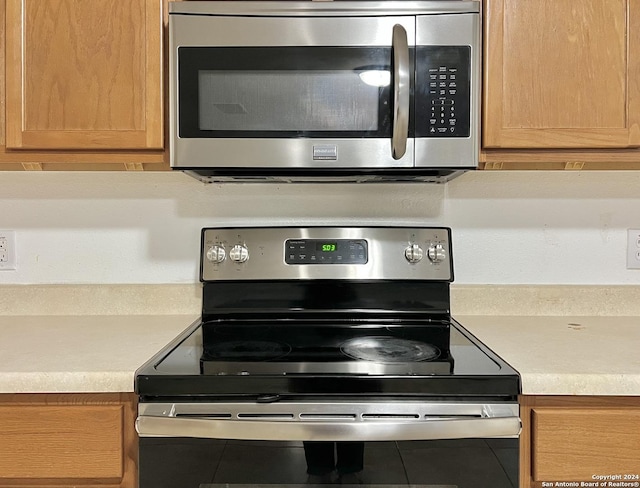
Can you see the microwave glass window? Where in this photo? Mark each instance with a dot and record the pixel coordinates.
(262, 92)
(287, 100)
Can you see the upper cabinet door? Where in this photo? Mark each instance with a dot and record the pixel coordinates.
(562, 74)
(83, 74)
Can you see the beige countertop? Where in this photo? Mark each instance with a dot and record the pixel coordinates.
(564, 355)
(555, 355)
(563, 340)
(80, 354)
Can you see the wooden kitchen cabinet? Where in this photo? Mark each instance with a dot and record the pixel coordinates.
(561, 82)
(83, 83)
(63, 440)
(574, 438)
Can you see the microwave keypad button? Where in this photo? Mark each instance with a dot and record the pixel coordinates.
(444, 119)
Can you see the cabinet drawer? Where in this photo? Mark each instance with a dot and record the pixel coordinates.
(53, 442)
(575, 444)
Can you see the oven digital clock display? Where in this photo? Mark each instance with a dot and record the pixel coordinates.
(327, 246)
(323, 251)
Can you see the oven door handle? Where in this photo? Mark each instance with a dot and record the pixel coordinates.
(401, 88)
(202, 427)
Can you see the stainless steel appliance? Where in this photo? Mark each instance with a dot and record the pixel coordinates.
(327, 355)
(324, 91)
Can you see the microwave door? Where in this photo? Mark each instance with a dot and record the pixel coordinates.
(291, 93)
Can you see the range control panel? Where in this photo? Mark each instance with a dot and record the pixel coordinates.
(373, 253)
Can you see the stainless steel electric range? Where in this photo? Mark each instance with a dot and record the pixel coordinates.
(327, 355)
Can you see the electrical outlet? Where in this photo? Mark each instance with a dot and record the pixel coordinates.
(633, 248)
(7, 250)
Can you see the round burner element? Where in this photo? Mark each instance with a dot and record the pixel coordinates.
(247, 350)
(388, 350)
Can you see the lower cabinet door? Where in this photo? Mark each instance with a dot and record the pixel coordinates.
(67, 440)
(579, 443)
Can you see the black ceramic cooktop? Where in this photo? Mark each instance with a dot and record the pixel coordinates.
(319, 348)
(243, 359)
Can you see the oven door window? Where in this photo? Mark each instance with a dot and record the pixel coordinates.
(212, 463)
(274, 92)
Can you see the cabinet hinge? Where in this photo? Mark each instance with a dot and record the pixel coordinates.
(573, 165)
(133, 166)
(497, 165)
(32, 166)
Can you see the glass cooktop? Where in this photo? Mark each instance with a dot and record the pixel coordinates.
(316, 359)
(315, 347)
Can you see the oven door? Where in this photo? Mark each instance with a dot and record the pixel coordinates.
(198, 445)
(291, 92)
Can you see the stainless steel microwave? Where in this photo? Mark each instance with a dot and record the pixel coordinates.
(324, 91)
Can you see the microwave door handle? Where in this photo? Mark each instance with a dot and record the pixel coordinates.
(401, 86)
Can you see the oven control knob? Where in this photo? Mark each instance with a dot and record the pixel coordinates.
(436, 253)
(216, 254)
(239, 253)
(413, 253)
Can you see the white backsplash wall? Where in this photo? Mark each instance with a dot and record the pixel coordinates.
(543, 227)
(508, 227)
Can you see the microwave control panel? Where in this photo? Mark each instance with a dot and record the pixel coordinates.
(443, 91)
